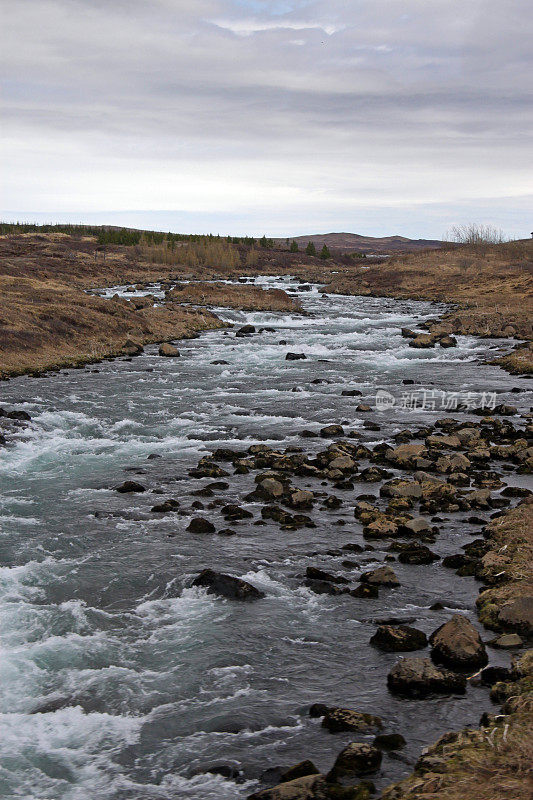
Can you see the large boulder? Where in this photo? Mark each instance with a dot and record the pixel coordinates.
(169, 351)
(312, 787)
(418, 677)
(200, 525)
(356, 759)
(414, 527)
(423, 340)
(458, 644)
(270, 488)
(130, 486)
(330, 431)
(227, 586)
(382, 576)
(417, 553)
(299, 770)
(344, 719)
(398, 638)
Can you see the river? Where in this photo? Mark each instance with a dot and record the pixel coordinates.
(141, 683)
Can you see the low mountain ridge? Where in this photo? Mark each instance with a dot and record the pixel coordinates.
(355, 242)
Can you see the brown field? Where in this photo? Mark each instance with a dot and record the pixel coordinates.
(48, 320)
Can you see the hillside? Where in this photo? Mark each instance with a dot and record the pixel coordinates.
(354, 242)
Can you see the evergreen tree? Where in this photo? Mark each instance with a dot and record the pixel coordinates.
(310, 249)
(294, 247)
(324, 253)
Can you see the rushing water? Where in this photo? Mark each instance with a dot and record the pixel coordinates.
(142, 683)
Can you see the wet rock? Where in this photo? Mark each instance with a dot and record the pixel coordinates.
(491, 675)
(356, 759)
(232, 512)
(418, 677)
(22, 416)
(200, 525)
(246, 330)
(310, 787)
(417, 554)
(380, 529)
(507, 641)
(351, 393)
(407, 333)
(220, 362)
(414, 527)
(227, 532)
(324, 587)
(270, 488)
(389, 741)
(169, 351)
(227, 586)
(398, 639)
(318, 710)
(314, 573)
(337, 720)
(382, 576)
(166, 507)
(295, 356)
(363, 407)
(365, 590)
(448, 341)
(423, 340)
(130, 486)
(301, 499)
(458, 644)
(330, 431)
(299, 770)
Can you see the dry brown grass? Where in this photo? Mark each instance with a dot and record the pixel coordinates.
(508, 566)
(492, 763)
(48, 320)
(243, 296)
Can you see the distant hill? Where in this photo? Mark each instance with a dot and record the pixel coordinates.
(353, 242)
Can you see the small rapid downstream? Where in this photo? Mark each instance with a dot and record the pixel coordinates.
(141, 683)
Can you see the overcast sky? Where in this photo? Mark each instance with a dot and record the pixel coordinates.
(242, 116)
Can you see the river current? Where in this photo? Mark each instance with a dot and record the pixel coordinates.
(119, 681)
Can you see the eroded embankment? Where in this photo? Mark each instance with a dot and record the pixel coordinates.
(49, 321)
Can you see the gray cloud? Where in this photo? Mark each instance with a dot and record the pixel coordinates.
(277, 115)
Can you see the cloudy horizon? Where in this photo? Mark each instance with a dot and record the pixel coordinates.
(284, 118)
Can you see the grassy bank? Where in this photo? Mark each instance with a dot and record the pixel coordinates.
(48, 320)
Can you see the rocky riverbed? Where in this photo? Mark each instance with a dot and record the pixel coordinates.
(233, 565)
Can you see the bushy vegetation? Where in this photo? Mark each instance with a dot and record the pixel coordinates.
(474, 234)
(205, 252)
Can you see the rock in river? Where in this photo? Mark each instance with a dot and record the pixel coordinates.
(382, 576)
(398, 638)
(344, 719)
(356, 759)
(201, 525)
(130, 486)
(418, 677)
(458, 644)
(169, 351)
(227, 586)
